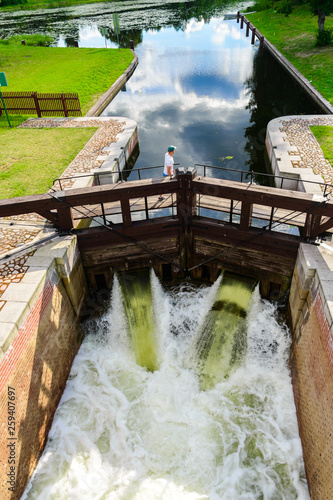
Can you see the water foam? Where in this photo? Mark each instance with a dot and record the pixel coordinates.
(121, 432)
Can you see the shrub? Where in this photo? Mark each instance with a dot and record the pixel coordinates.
(260, 5)
(285, 7)
(324, 37)
(39, 40)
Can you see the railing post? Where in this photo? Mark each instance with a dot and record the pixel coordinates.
(246, 216)
(103, 214)
(238, 16)
(231, 210)
(271, 218)
(64, 105)
(126, 212)
(242, 22)
(253, 35)
(247, 28)
(146, 208)
(35, 98)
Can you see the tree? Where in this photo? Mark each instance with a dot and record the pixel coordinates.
(321, 8)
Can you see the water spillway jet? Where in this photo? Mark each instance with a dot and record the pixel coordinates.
(221, 339)
(124, 432)
(137, 301)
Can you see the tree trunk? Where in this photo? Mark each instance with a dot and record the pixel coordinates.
(321, 19)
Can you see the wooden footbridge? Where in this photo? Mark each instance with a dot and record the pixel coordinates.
(201, 226)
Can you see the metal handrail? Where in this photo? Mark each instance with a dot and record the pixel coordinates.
(244, 175)
(253, 174)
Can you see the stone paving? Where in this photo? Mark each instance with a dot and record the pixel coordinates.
(21, 230)
(299, 134)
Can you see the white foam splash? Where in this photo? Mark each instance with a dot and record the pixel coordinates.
(121, 432)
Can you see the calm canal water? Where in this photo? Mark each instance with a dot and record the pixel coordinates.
(200, 84)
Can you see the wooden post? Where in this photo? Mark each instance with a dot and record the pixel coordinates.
(65, 217)
(246, 216)
(35, 98)
(253, 35)
(238, 16)
(242, 22)
(247, 28)
(64, 105)
(126, 212)
(196, 273)
(214, 272)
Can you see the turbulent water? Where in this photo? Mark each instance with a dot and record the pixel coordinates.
(124, 432)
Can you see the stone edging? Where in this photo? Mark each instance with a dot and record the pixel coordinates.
(107, 97)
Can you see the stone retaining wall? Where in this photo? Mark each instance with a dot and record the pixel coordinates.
(40, 336)
(311, 310)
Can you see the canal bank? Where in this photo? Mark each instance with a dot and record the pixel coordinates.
(303, 82)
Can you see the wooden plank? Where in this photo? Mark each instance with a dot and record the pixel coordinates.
(261, 195)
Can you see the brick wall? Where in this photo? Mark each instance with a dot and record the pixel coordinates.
(35, 369)
(312, 366)
(41, 315)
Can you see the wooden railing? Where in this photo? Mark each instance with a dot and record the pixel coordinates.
(249, 27)
(185, 193)
(46, 104)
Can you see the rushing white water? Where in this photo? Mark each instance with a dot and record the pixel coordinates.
(123, 432)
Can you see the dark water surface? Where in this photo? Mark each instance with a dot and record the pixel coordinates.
(200, 84)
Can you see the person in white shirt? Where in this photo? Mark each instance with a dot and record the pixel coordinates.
(168, 165)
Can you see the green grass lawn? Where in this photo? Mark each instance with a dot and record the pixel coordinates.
(30, 159)
(89, 72)
(295, 37)
(324, 136)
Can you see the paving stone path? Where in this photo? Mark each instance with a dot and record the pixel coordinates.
(299, 134)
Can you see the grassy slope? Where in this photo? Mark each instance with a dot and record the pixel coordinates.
(90, 72)
(294, 36)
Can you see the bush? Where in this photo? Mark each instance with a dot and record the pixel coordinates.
(285, 7)
(37, 40)
(260, 5)
(324, 37)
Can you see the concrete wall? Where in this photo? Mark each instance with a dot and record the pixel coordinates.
(40, 336)
(311, 309)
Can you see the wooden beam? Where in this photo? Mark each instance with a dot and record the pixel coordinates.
(246, 216)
